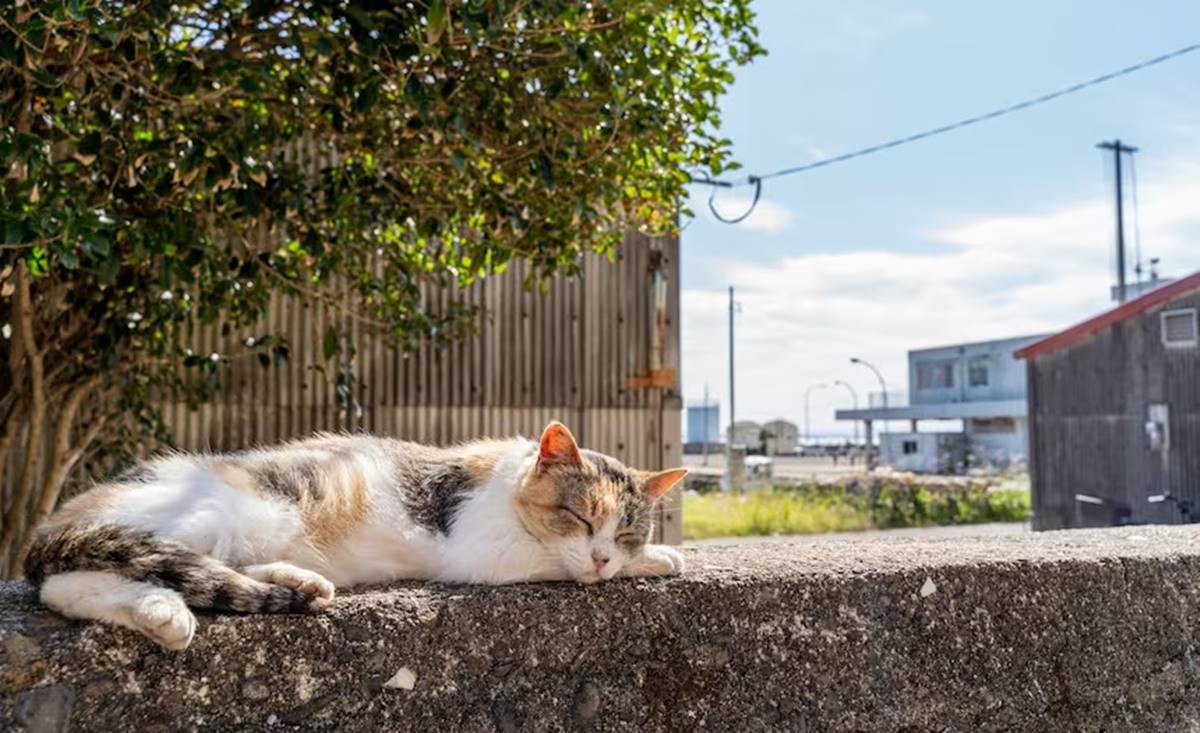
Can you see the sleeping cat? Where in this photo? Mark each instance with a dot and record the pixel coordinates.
(275, 530)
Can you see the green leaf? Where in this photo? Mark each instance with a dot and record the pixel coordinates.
(332, 346)
(437, 19)
(14, 232)
(38, 261)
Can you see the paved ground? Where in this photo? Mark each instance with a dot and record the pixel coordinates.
(791, 467)
(997, 529)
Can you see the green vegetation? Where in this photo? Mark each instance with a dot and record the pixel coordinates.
(866, 503)
(166, 164)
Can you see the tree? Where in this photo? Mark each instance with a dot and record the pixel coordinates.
(384, 145)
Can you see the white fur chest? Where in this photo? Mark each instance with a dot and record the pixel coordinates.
(488, 543)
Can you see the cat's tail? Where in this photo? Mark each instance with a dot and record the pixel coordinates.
(204, 582)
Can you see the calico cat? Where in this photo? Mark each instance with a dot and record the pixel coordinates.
(275, 530)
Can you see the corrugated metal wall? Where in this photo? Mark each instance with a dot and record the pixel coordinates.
(566, 355)
(1088, 407)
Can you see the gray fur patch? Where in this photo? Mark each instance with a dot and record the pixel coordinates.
(433, 500)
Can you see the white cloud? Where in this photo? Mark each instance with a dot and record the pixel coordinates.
(768, 217)
(804, 316)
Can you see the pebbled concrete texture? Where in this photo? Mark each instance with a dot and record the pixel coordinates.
(1082, 630)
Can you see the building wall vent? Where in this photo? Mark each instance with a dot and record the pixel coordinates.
(1179, 328)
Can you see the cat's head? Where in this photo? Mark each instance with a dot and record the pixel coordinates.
(590, 509)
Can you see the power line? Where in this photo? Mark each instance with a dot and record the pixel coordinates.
(756, 180)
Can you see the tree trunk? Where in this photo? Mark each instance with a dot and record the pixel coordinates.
(27, 348)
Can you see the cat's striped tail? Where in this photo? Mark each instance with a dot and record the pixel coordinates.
(204, 582)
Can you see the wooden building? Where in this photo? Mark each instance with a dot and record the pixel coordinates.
(1114, 414)
(599, 352)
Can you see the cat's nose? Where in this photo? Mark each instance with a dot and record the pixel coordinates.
(599, 560)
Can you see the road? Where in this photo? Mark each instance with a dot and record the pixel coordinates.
(786, 467)
(997, 529)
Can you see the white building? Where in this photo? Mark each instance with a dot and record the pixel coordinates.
(749, 434)
(780, 438)
(982, 385)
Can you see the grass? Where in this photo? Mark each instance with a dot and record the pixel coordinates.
(855, 504)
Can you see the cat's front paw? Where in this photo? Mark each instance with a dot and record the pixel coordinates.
(163, 616)
(658, 561)
(314, 587)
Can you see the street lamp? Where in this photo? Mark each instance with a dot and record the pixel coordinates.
(854, 397)
(882, 383)
(807, 419)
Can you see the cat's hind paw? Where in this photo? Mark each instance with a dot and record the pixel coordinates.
(163, 616)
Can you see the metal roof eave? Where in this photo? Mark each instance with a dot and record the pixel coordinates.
(940, 411)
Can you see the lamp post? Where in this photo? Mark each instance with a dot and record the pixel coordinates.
(882, 382)
(883, 386)
(854, 398)
(807, 419)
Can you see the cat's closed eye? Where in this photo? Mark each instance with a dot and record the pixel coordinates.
(570, 512)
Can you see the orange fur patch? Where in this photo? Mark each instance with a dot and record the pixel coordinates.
(342, 507)
(482, 457)
(235, 477)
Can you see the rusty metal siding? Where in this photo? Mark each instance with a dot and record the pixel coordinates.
(565, 355)
(1088, 406)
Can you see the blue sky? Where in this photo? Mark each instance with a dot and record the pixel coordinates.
(996, 230)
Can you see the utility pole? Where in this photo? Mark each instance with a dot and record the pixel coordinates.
(734, 474)
(1117, 148)
(704, 412)
(732, 404)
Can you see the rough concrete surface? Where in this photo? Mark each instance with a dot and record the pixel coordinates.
(1084, 630)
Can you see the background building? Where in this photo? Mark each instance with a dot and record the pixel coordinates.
(980, 384)
(749, 434)
(1115, 414)
(704, 426)
(781, 438)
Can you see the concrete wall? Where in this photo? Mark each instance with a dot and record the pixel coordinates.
(1081, 631)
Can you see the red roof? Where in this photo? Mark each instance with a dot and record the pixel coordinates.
(1123, 312)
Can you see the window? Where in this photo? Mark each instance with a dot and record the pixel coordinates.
(1179, 327)
(935, 375)
(993, 425)
(977, 373)
(909, 447)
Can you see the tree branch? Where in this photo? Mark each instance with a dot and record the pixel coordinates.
(63, 455)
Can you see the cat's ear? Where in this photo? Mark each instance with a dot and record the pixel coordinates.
(658, 484)
(558, 448)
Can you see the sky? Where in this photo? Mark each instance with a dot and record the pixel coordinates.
(1002, 229)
